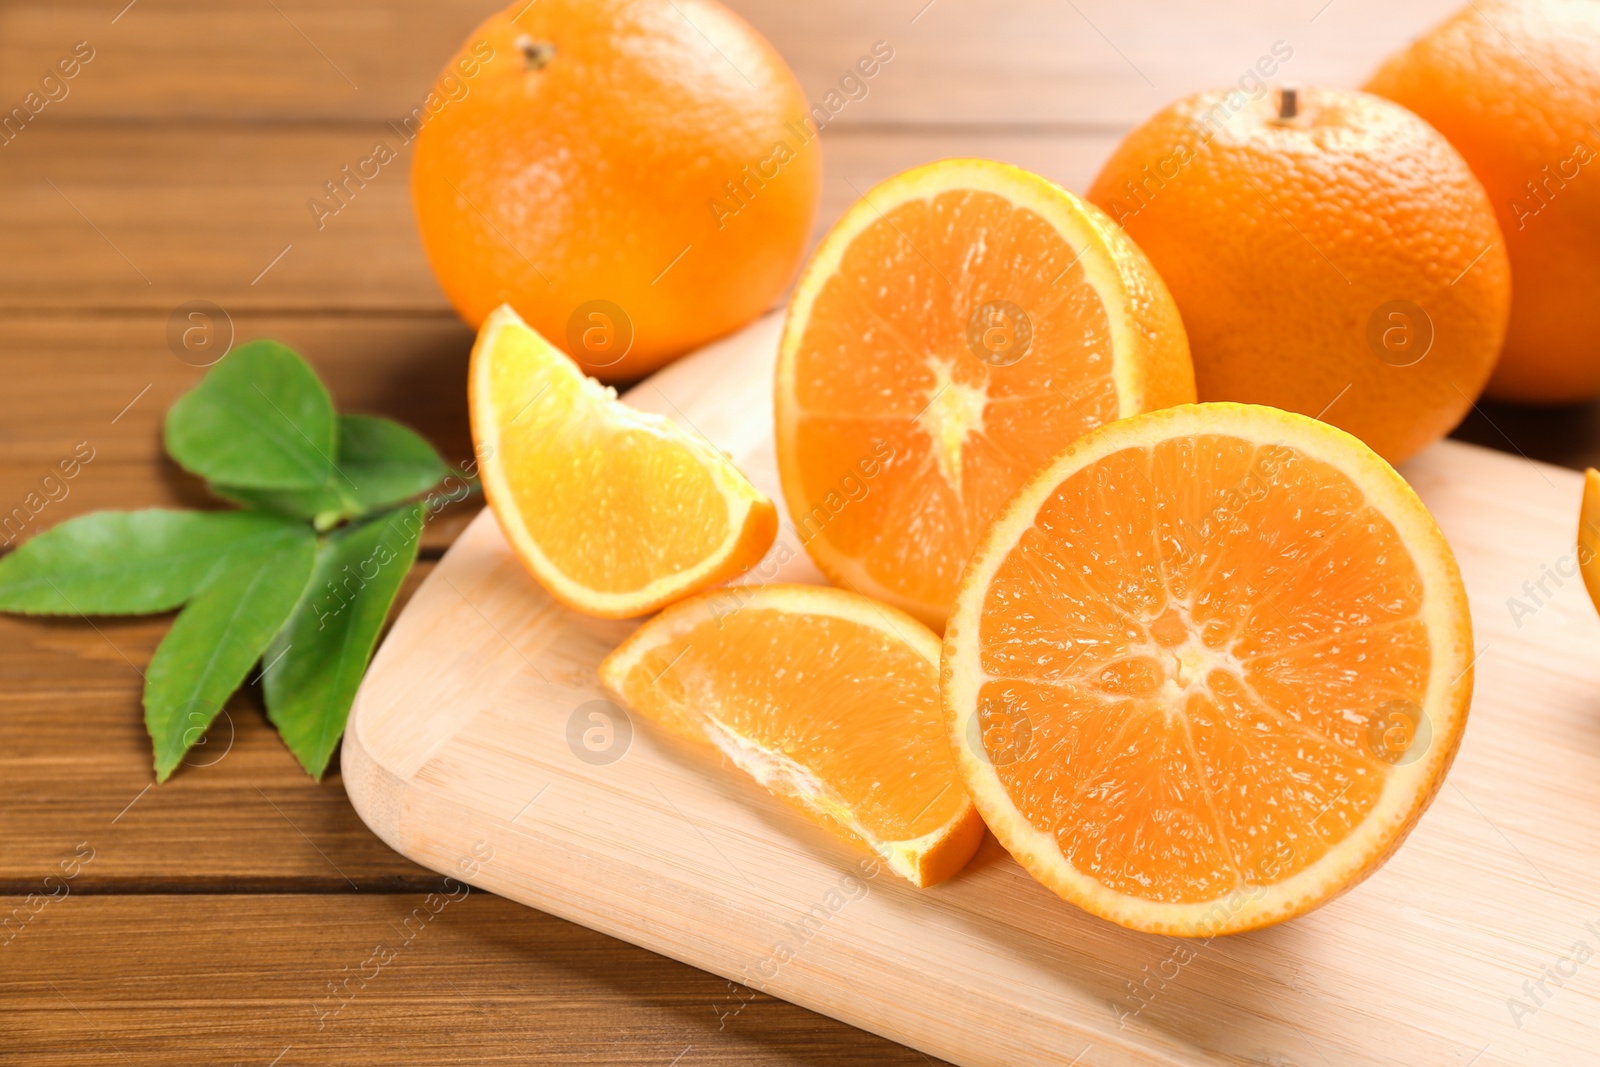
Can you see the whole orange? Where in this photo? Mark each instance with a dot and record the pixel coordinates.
(1342, 263)
(1516, 88)
(635, 177)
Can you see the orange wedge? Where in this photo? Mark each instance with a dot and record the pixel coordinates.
(616, 512)
(827, 699)
(1207, 668)
(1589, 535)
(960, 325)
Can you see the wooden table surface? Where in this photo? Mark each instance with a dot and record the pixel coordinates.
(213, 912)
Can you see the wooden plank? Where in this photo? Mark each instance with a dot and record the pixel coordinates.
(241, 814)
(1097, 62)
(195, 981)
(965, 61)
(98, 386)
(126, 219)
(191, 59)
(461, 734)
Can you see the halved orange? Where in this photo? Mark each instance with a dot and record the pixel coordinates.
(1207, 668)
(1589, 535)
(827, 699)
(615, 512)
(960, 325)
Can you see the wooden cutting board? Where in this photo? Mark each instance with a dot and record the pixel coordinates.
(482, 746)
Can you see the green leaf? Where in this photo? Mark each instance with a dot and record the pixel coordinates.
(383, 462)
(222, 631)
(125, 562)
(316, 662)
(323, 507)
(380, 463)
(260, 419)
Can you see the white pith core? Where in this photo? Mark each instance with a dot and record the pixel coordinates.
(954, 413)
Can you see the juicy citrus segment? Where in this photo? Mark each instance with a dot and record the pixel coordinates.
(1207, 668)
(827, 699)
(1589, 536)
(959, 326)
(615, 511)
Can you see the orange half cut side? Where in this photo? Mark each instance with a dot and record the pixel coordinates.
(1207, 668)
(960, 325)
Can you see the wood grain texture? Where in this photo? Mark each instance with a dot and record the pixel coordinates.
(100, 386)
(465, 742)
(968, 61)
(239, 815)
(198, 981)
(129, 218)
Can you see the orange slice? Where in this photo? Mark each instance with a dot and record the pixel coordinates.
(827, 699)
(959, 326)
(1207, 668)
(1589, 535)
(615, 511)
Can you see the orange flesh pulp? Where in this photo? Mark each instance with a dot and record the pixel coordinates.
(1198, 669)
(594, 496)
(899, 414)
(816, 707)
